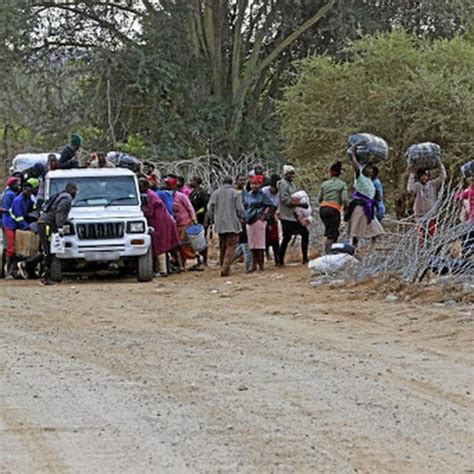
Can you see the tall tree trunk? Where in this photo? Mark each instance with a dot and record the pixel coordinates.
(255, 68)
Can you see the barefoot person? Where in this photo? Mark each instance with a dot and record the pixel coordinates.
(259, 210)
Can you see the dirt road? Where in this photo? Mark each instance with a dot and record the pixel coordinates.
(259, 373)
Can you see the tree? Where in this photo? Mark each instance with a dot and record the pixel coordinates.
(403, 88)
(163, 77)
(235, 44)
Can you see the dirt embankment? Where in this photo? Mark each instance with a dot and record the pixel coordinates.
(259, 373)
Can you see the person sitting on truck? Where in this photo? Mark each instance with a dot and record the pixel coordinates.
(149, 170)
(99, 160)
(68, 159)
(37, 171)
(12, 187)
(54, 217)
(53, 162)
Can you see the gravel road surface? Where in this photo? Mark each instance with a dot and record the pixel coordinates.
(259, 373)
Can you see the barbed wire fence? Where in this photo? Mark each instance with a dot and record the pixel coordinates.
(210, 168)
(440, 244)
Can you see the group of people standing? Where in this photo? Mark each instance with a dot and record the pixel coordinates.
(246, 213)
(252, 214)
(247, 216)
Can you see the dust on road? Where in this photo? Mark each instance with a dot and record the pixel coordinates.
(259, 373)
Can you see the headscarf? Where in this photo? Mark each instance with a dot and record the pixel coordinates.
(336, 169)
(171, 182)
(11, 180)
(258, 179)
(33, 182)
(288, 169)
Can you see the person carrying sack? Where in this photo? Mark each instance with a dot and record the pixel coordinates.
(54, 216)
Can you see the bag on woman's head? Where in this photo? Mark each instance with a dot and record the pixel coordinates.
(368, 148)
(425, 156)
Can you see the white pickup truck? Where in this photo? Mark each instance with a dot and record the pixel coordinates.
(107, 223)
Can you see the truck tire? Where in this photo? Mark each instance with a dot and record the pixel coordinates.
(56, 272)
(145, 267)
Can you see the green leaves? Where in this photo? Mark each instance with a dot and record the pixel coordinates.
(398, 86)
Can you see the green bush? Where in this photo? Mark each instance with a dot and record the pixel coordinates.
(397, 86)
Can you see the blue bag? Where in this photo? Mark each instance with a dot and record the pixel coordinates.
(196, 237)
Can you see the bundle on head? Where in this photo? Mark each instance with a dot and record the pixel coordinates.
(367, 147)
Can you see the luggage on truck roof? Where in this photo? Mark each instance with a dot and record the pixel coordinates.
(24, 161)
(124, 160)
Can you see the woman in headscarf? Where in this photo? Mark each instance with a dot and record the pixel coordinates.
(165, 234)
(259, 209)
(333, 199)
(289, 221)
(362, 221)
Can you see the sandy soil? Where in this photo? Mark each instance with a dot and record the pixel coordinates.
(259, 373)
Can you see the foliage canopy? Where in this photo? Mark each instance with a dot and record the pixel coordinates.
(398, 86)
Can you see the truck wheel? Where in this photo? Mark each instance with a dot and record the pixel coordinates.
(56, 272)
(145, 267)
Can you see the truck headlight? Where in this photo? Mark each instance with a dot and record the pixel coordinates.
(136, 227)
(68, 229)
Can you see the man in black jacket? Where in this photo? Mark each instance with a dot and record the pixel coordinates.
(68, 159)
(55, 216)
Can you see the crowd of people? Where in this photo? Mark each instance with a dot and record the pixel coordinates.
(255, 216)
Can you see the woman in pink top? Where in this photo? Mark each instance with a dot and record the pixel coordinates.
(468, 195)
(185, 216)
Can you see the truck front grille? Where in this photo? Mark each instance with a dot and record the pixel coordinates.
(96, 231)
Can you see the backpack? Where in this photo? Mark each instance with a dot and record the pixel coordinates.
(47, 205)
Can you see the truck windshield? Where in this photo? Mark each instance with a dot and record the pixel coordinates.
(99, 191)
